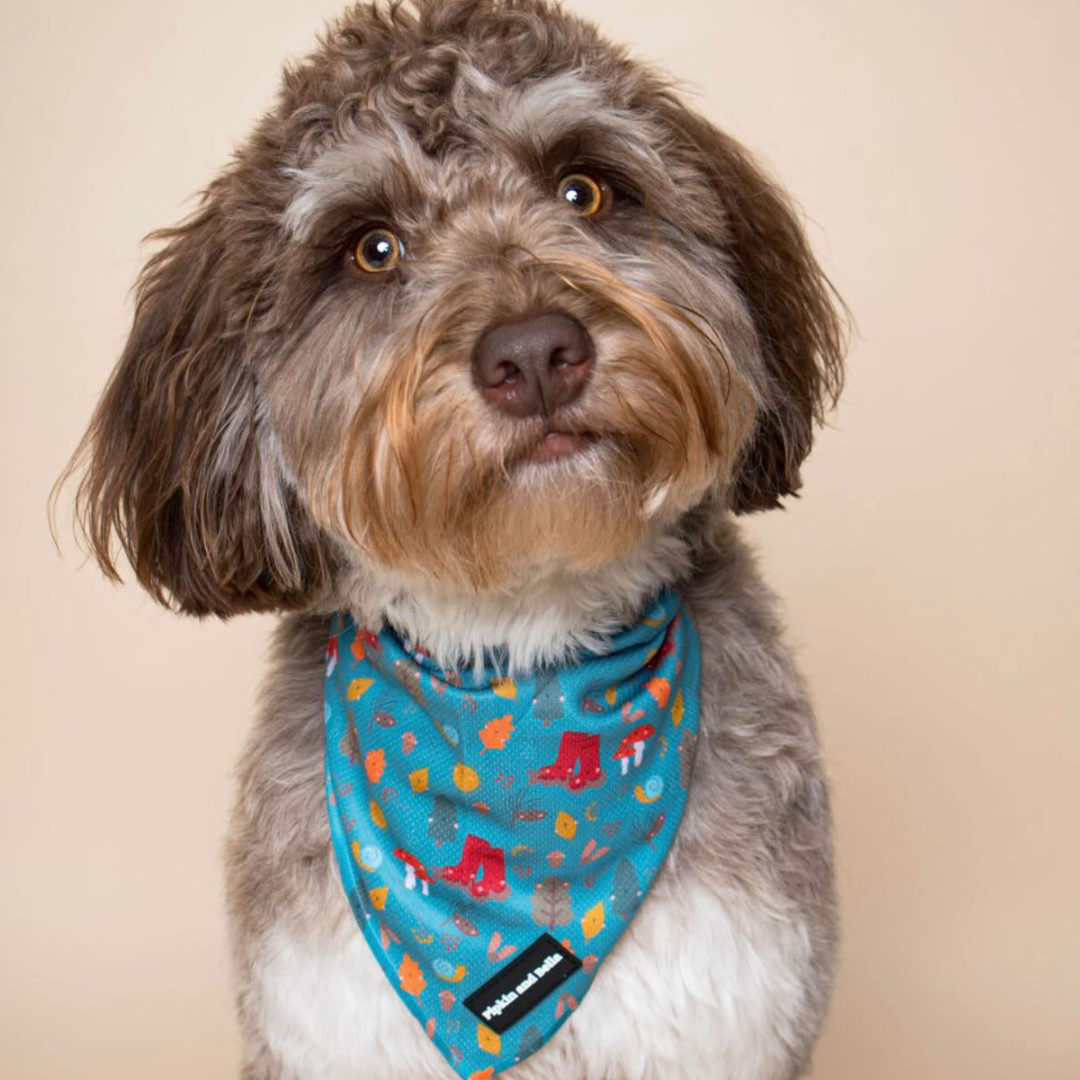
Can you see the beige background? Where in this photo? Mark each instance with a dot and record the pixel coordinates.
(930, 572)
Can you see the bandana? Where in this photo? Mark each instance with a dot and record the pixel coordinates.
(495, 836)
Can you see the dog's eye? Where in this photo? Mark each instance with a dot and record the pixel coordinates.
(377, 250)
(586, 196)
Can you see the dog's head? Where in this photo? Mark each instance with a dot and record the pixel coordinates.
(478, 296)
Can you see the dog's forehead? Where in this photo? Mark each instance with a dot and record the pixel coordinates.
(441, 147)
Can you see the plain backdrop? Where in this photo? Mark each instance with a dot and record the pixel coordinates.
(929, 572)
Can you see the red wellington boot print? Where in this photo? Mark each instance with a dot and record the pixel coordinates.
(482, 870)
(577, 765)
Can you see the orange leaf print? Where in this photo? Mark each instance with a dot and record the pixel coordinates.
(357, 647)
(358, 688)
(412, 978)
(375, 764)
(483, 1074)
(660, 689)
(495, 733)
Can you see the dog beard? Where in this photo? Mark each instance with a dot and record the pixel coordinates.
(431, 484)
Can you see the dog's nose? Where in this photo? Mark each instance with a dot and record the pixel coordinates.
(532, 367)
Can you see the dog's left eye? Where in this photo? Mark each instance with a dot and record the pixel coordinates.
(586, 195)
(377, 250)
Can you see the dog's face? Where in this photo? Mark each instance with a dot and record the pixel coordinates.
(478, 297)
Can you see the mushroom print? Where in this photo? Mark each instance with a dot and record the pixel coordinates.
(633, 746)
(414, 870)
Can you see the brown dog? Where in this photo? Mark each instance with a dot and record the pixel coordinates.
(485, 336)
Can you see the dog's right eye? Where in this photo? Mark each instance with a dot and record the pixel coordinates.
(377, 250)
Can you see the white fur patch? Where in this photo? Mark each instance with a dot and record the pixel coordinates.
(542, 623)
(697, 987)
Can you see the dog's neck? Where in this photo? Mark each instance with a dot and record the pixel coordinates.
(544, 621)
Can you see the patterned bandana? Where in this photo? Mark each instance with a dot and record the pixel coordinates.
(495, 836)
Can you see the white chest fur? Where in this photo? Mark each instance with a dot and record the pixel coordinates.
(699, 986)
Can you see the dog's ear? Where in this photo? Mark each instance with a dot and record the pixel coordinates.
(795, 309)
(178, 460)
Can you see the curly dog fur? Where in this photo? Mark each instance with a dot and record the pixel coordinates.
(292, 429)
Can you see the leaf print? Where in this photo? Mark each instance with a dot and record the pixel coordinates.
(505, 688)
(495, 953)
(442, 822)
(349, 744)
(358, 688)
(375, 764)
(566, 1001)
(548, 702)
(625, 890)
(531, 1041)
(660, 689)
(412, 978)
(687, 747)
(631, 716)
(495, 733)
(651, 833)
(487, 1039)
(592, 853)
(592, 922)
(551, 904)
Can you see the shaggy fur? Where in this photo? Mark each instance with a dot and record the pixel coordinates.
(287, 432)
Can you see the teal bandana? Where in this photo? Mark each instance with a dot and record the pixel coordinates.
(495, 836)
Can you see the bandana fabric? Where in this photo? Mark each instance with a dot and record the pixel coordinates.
(495, 837)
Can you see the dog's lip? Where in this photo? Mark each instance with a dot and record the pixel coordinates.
(556, 443)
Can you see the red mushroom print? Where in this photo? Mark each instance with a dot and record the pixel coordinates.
(633, 746)
(414, 870)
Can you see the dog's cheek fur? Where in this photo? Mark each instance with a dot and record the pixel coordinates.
(796, 311)
(179, 461)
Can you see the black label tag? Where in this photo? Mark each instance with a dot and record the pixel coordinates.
(522, 984)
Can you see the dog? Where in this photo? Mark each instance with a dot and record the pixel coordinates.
(484, 338)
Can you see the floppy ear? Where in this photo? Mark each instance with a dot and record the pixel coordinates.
(178, 464)
(793, 305)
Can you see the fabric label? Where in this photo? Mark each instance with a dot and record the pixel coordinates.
(522, 984)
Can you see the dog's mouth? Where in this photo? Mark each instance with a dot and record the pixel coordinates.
(555, 444)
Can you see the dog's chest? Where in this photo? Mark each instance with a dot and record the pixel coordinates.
(698, 986)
